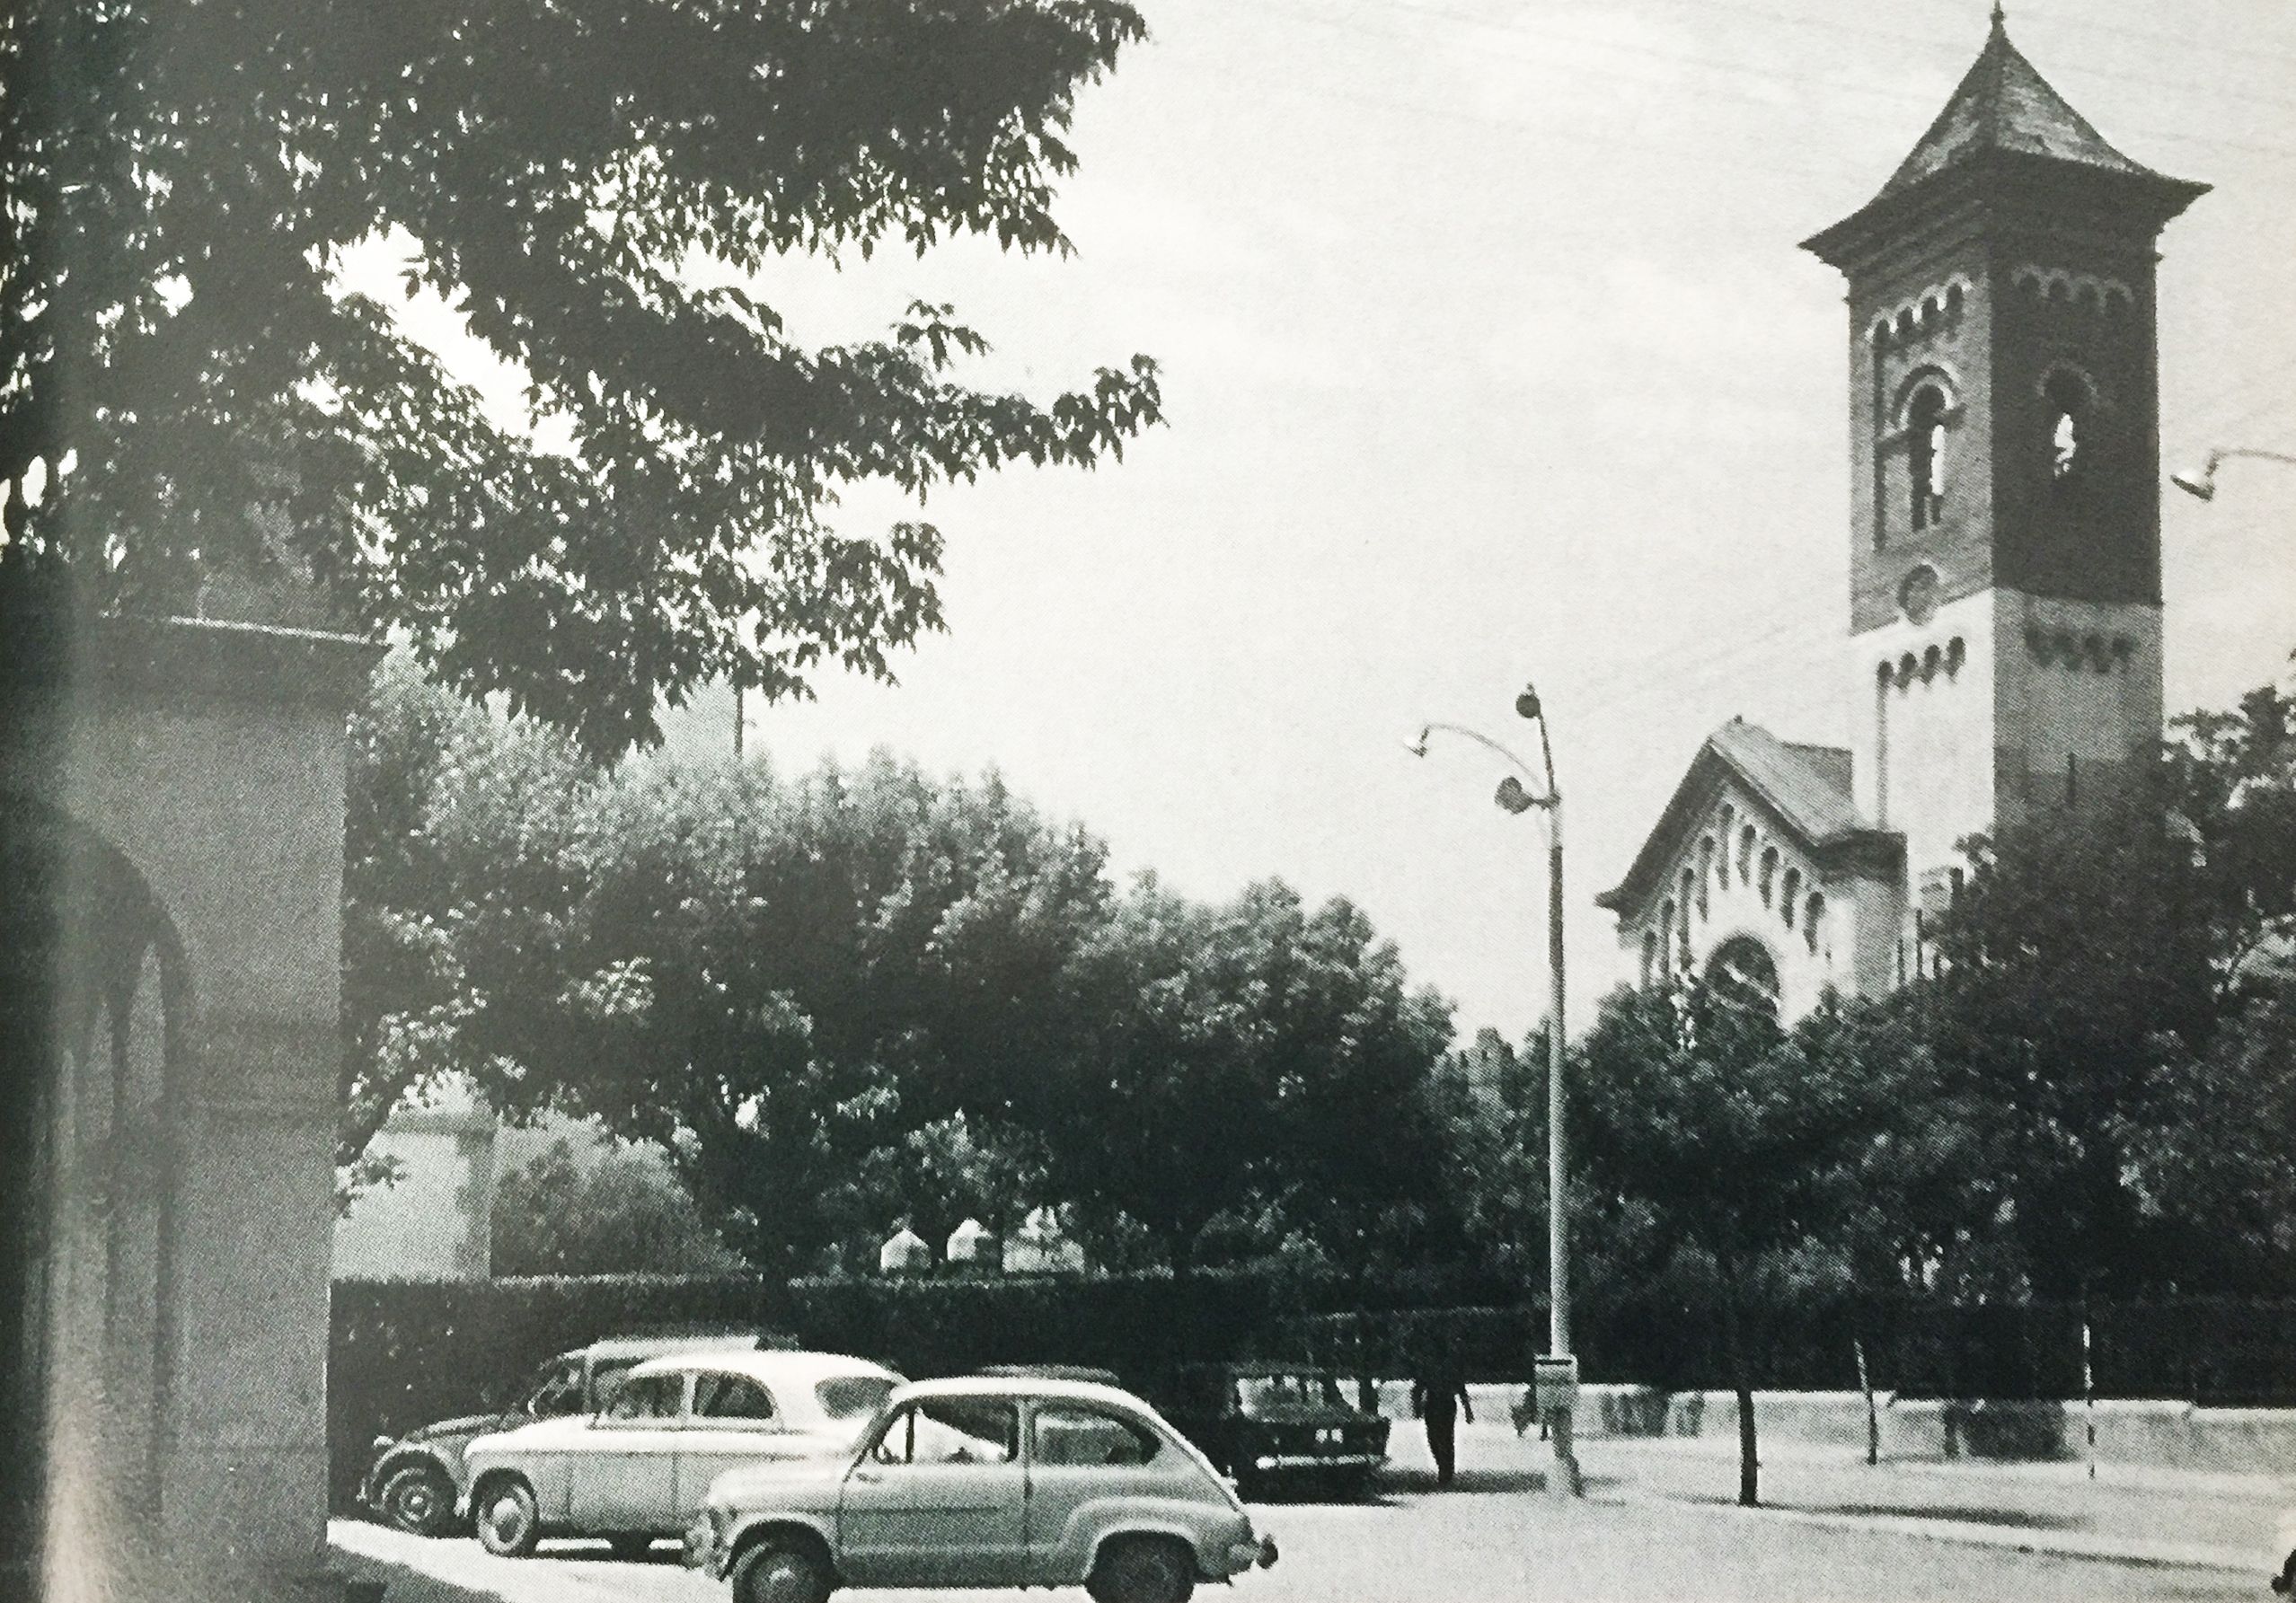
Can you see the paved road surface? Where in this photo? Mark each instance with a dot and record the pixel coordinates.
(1492, 1539)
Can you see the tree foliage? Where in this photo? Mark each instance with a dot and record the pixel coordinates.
(1737, 1138)
(588, 185)
(854, 998)
(620, 1211)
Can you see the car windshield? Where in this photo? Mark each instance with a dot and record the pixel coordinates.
(853, 1396)
(555, 1389)
(1256, 1393)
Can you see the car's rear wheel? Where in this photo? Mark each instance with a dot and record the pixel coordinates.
(630, 1546)
(775, 1572)
(509, 1523)
(419, 1499)
(1143, 1570)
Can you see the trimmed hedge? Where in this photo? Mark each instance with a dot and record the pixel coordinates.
(405, 1352)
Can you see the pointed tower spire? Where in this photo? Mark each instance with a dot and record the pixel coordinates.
(2003, 118)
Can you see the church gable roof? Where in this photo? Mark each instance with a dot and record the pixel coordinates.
(1805, 789)
(2004, 103)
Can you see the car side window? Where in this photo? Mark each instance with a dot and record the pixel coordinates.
(647, 1399)
(951, 1431)
(966, 1430)
(897, 1440)
(731, 1399)
(1067, 1435)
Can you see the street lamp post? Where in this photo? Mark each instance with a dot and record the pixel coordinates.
(1556, 1382)
(2202, 482)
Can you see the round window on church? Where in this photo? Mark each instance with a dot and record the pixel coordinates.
(1742, 968)
(1917, 597)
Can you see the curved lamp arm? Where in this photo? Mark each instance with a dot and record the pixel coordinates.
(2202, 483)
(1418, 748)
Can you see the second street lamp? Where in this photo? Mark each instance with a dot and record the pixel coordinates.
(1555, 1385)
(2201, 482)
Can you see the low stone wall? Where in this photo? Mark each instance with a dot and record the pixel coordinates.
(2135, 1434)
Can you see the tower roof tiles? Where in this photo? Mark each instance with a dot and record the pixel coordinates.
(2004, 103)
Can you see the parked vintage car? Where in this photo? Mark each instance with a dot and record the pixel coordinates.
(418, 1479)
(986, 1481)
(637, 1468)
(1264, 1423)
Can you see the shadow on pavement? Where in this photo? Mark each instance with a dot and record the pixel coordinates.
(1421, 1482)
(2014, 1518)
(401, 1584)
(2019, 1518)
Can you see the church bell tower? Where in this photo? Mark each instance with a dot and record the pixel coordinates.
(2005, 538)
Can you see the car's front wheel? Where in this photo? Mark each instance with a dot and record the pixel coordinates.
(1143, 1570)
(509, 1522)
(778, 1573)
(419, 1499)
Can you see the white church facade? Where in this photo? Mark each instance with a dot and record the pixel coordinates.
(2004, 651)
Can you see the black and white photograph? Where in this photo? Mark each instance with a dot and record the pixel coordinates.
(1393, 800)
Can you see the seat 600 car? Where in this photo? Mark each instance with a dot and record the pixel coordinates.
(637, 1469)
(987, 1482)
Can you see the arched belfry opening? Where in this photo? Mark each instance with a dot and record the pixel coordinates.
(95, 989)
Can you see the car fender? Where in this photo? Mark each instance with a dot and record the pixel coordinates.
(1196, 1525)
(547, 1474)
(749, 1530)
(407, 1456)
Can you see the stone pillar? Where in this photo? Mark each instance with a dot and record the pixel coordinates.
(211, 755)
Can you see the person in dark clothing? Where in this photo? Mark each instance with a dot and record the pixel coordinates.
(1438, 1396)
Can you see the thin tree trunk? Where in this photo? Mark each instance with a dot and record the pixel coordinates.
(1742, 1379)
(1866, 1385)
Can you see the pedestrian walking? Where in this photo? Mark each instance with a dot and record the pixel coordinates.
(1438, 1396)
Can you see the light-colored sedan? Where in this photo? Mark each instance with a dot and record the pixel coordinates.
(987, 1482)
(637, 1468)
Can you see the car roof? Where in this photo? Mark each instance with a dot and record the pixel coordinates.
(770, 1365)
(657, 1346)
(1051, 1371)
(1041, 1386)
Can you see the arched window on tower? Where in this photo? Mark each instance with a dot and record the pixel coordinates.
(2069, 410)
(1926, 436)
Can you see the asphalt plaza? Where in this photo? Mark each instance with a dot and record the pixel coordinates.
(1656, 1523)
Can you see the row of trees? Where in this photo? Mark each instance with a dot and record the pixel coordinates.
(850, 997)
(2089, 1092)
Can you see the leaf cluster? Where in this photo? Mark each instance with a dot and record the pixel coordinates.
(187, 385)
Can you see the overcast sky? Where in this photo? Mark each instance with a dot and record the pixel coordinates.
(1488, 354)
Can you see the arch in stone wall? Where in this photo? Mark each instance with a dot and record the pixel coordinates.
(94, 995)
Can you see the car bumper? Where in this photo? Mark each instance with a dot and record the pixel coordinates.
(1244, 1556)
(698, 1547)
(1281, 1463)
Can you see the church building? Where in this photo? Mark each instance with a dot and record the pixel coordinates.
(2004, 643)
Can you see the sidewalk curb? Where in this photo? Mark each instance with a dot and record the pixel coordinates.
(1967, 1534)
(2277, 1490)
